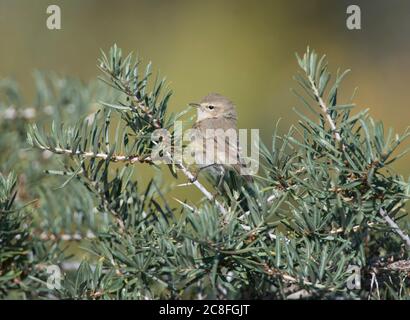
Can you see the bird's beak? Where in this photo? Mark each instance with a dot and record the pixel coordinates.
(194, 104)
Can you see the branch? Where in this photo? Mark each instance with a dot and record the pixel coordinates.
(276, 272)
(325, 109)
(135, 159)
(354, 228)
(395, 227)
(99, 155)
(338, 138)
(144, 109)
(200, 187)
(135, 101)
(66, 236)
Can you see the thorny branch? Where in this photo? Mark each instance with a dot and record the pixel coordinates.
(338, 138)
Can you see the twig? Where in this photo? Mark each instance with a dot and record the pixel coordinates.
(354, 228)
(184, 204)
(325, 110)
(199, 186)
(395, 227)
(106, 205)
(100, 155)
(305, 282)
(144, 109)
(138, 102)
(66, 237)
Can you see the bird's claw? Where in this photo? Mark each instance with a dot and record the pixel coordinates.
(194, 178)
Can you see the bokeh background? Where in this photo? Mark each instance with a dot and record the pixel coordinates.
(242, 49)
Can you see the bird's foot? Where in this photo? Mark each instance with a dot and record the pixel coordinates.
(194, 177)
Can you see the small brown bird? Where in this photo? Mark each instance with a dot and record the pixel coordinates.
(216, 136)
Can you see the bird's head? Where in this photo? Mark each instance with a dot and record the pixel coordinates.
(215, 106)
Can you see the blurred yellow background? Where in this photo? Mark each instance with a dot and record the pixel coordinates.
(242, 49)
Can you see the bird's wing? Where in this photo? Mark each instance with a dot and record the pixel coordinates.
(225, 150)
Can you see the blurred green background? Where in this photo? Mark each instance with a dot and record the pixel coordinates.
(242, 49)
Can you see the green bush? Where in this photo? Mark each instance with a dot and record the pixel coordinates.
(325, 201)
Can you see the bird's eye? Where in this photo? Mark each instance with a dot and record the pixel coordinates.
(211, 107)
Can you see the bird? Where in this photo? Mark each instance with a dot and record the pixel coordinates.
(215, 139)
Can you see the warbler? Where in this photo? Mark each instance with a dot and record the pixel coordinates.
(215, 138)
